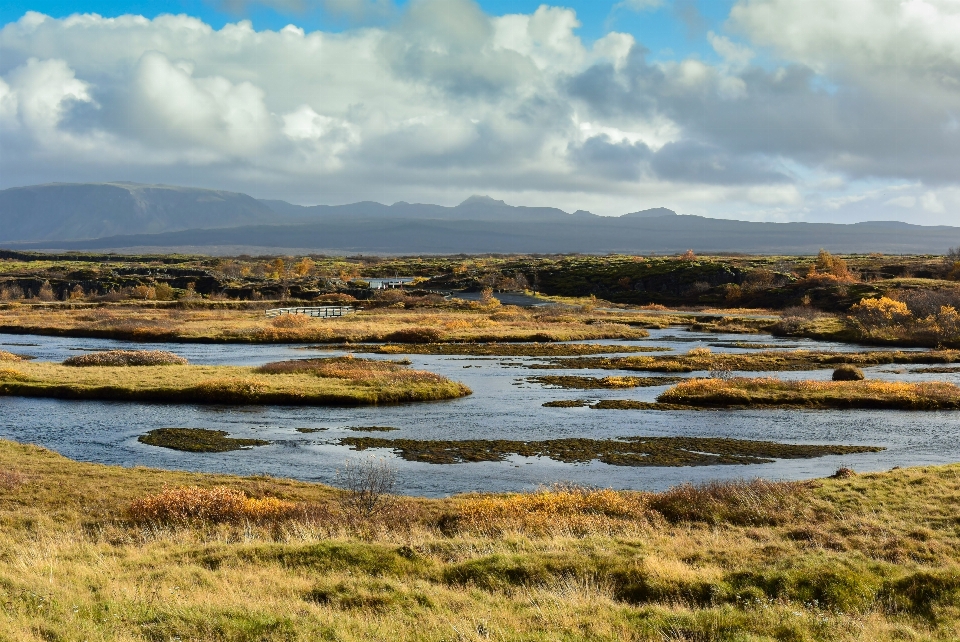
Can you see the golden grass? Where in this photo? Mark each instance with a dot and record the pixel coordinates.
(126, 358)
(768, 391)
(9, 356)
(148, 323)
(189, 504)
(337, 382)
(766, 360)
(871, 557)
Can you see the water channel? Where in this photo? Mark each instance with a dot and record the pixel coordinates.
(503, 406)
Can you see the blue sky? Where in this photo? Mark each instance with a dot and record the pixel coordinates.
(776, 110)
(662, 29)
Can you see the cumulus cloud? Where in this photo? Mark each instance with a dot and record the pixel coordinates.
(809, 107)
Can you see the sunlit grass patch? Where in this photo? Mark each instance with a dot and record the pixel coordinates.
(193, 504)
(766, 391)
(126, 358)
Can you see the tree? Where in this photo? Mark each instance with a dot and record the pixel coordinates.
(278, 268)
(304, 267)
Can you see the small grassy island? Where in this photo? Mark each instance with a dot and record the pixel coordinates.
(313, 382)
(770, 392)
(197, 440)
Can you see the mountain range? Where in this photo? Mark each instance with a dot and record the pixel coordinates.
(120, 215)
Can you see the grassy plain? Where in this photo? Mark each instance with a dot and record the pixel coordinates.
(870, 557)
(334, 381)
(208, 324)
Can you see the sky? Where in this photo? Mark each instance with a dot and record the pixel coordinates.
(767, 110)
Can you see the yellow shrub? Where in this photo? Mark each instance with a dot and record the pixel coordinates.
(191, 504)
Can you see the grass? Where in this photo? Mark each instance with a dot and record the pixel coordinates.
(770, 392)
(107, 553)
(206, 324)
(126, 358)
(197, 440)
(627, 451)
(321, 382)
(602, 383)
(495, 349)
(702, 359)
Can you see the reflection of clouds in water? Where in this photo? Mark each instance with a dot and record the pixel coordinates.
(106, 432)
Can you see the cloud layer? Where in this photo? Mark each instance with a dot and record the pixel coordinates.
(814, 109)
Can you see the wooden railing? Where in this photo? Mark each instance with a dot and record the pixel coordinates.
(322, 312)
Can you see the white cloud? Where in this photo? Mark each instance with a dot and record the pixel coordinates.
(446, 101)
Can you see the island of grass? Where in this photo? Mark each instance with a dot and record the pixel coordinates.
(771, 392)
(137, 553)
(197, 440)
(338, 381)
(602, 383)
(627, 451)
(703, 359)
(499, 349)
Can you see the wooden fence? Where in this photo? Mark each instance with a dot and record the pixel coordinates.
(323, 312)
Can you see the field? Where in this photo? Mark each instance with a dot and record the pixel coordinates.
(95, 552)
(335, 381)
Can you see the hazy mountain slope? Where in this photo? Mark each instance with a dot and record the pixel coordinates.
(596, 235)
(62, 211)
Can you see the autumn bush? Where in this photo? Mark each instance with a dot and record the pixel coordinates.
(560, 509)
(891, 319)
(739, 502)
(190, 505)
(290, 321)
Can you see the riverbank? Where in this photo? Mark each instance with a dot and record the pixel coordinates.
(121, 554)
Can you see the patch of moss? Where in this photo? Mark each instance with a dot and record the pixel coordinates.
(197, 440)
(602, 383)
(310, 430)
(934, 370)
(567, 403)
(627, 451)
(371, 428)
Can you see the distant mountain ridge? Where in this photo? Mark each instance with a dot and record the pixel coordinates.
(126, 215)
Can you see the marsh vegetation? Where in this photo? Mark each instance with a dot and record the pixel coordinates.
(197, 440)
(627, 451)
(333, 381)
(134, 553)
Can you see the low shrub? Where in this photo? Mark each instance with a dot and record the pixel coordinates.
(738, 502)
(195, 505)
(847, 372)
(557, 509)
(127, 358)
(290, 321)
(10, 374)
(229, 390)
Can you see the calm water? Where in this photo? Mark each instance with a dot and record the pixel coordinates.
(503, 406)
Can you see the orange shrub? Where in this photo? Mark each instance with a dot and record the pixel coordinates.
(560, 509)
(192, 504)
